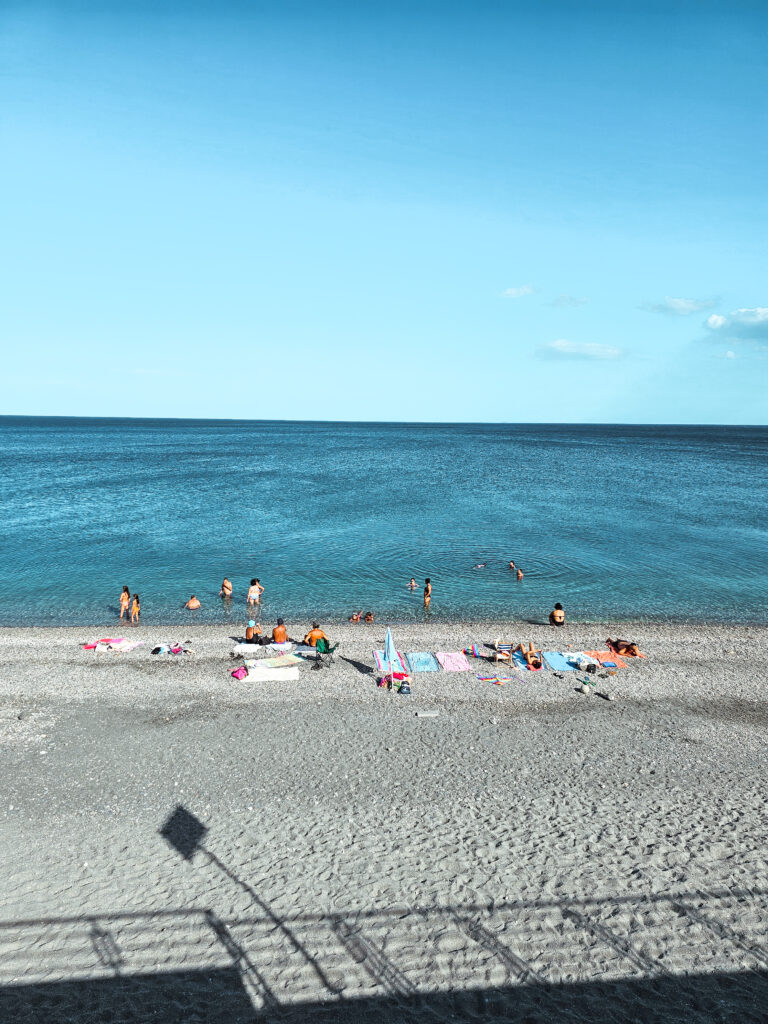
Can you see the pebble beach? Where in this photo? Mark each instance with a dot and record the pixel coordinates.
(467, 852)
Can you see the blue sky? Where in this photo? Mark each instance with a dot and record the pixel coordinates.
(483, 212)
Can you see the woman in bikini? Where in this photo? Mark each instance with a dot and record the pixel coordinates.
(254, 592)
(226, 589)
(623, 647)
(135, 610)
(356, 616)
(427, 592)
(125, 602)
(532, 657)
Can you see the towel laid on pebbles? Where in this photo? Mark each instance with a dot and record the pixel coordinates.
(558, 661)
(422, 661)
(281, 661)
(258, 675)
(606, 658)
(113, 644)
(453, 661)
(399, 665)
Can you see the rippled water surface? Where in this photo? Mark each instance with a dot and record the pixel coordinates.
(612, 521)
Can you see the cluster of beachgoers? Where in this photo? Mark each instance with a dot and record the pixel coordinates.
(130, 608)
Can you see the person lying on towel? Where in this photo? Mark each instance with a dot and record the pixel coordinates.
(532, 657)
(624, 647)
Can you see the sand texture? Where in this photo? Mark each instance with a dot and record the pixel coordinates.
(472, 852)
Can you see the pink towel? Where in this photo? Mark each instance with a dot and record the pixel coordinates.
(452, 661)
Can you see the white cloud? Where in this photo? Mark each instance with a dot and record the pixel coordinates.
(517, 293)
(730, 355)
(678, 307)
(581, 350)
(744, 324)
(567, 300)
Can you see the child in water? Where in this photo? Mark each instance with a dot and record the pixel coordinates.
(135, 610)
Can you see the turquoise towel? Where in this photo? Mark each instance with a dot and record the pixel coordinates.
(422, 661)
(558, 662)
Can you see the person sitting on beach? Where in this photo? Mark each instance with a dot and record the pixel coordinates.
(125, 601)
(226, 588)
(369, 617)
(254, 592)
(252, 631)
(519, 574)
(624, 647)
(279, 633)
(314, 635)
(135, 610)
(192, 603)
(412, 584)
(532, 657)
(356, 616)
(557, 616)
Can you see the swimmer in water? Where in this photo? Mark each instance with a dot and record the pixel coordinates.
(512, 566)
(226, 588)
(427, 592)
(412, 584)
(192, 603)
(254, 592)
(519, 575)
(356, 616)
(368, 617)
(125, 602)
(135, 610)
(480, 565)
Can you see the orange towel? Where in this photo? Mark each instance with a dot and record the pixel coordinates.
(603, 656)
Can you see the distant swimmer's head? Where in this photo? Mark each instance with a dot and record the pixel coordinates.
(251, 623)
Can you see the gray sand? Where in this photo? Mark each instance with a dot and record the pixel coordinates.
(523, 851)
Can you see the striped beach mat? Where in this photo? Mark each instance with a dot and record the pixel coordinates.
(398, 666)
(497, 680)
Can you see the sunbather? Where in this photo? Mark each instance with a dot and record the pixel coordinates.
(314, 635)
(279, 633)
(557, 616)
(193, 603)
(252, 631)
(624, 647)
(532, 657)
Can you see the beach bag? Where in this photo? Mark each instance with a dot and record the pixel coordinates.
(240, 673)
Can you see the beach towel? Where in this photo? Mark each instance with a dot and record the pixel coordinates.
(399, 665)
(282, 648)
(607, 659)
(520, 662)
(281, 661)
(473, 650)
(259, 675)
(422, 661)
(639, 654)
(558, 661)
(496, 680)
(453, 661)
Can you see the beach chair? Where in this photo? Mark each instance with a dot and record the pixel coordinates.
(502, 652)
(324, 654)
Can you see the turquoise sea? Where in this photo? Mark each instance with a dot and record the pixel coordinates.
(613, 521)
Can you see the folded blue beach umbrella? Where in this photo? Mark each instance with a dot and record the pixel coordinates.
(390, 653)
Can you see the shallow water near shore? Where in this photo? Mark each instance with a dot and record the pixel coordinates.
(613, 521)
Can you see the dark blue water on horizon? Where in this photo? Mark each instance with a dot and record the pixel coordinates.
(615, 522)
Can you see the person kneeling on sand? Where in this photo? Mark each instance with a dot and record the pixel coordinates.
(314, 635)
(624, 647)
(192, 603)
(279, 633)
(532, 657)
(557, 616)
(356, 616)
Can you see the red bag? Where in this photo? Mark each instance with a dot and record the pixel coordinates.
(240, 673)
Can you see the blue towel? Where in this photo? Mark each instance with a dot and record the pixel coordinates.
(559, 662)
(422, 661)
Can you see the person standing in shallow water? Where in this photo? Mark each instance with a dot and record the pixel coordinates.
(135, 610)
(125, 603)
(254, 592)
(427, 592)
